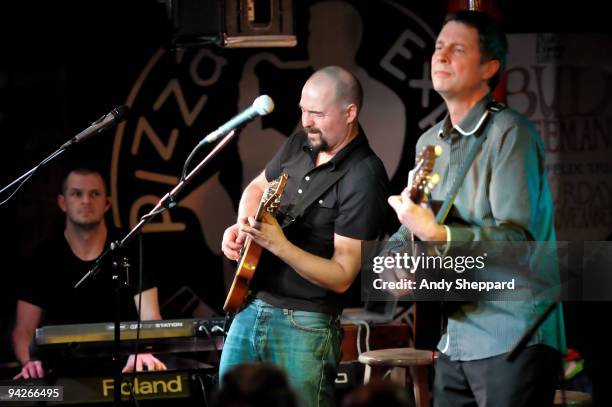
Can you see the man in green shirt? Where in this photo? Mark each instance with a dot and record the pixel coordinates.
(504, 197)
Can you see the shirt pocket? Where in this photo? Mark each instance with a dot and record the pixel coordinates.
(323, 211)
(319, 222)
(329, 200)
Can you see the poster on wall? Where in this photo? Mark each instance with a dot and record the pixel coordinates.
(563, 83)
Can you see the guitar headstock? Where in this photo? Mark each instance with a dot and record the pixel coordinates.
(272, 195)
(420, 179)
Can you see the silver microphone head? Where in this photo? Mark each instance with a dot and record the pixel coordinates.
(263, 105)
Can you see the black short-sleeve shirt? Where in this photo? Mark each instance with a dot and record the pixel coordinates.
(53, 270)
(355, 206)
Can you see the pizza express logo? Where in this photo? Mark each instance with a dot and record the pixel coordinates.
(179, 97)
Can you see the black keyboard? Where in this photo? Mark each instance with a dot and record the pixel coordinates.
(165, 336)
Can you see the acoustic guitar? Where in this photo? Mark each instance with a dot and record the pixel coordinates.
(427, 314)
(251, 251)
(420, 179)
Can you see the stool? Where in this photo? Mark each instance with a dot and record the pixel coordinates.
(398, 359)
(573, 399)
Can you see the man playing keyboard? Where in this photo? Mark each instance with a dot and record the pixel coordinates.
(46, 294)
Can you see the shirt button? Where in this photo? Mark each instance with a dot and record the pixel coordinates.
(307, 178)
(320, 202)
(299, 191)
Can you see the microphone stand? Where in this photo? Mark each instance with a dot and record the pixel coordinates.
(29, 173)
(522, 343)
(25, 176)
(168, 201)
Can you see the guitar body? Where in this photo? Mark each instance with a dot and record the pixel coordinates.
(428, 324)
(244, 274)
(251, 251)
(429, 315)
(428, 321)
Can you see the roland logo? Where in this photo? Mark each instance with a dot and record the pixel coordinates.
(157, 387)
(168, 324)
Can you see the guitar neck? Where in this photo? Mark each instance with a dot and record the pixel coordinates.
(261, 209)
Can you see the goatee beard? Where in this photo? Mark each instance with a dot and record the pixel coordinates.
(321, 146)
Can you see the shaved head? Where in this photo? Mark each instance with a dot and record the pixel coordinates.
(330, 103)
(347, 88)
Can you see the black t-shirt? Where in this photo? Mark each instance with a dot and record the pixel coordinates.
(53, 270)
(355, 206)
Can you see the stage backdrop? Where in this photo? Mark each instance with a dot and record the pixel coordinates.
(66, 65)
(563, 84)
(178, 97)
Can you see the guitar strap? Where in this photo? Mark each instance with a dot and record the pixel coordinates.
(492, 107)
(320, 187)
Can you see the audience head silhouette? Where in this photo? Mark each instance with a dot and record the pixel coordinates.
(255, 385)
(378, 393)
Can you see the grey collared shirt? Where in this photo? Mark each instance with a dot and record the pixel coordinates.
(504, 197)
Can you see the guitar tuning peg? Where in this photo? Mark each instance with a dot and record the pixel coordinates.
(434, 179)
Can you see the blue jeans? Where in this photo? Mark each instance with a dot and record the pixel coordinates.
(304, 344)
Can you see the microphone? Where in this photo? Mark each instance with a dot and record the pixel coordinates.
(260, 107)
(105, 122)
